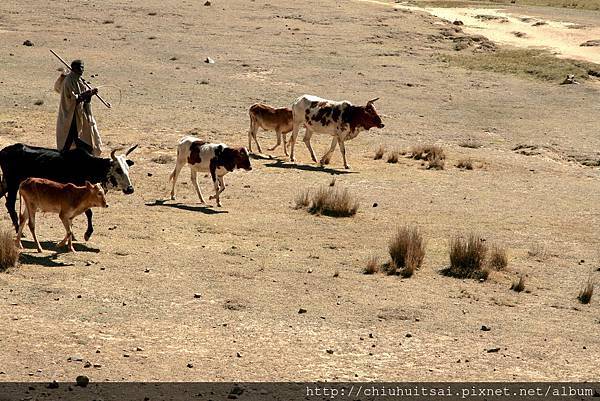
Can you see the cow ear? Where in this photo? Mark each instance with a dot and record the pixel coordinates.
(129, 162)
(89, 185)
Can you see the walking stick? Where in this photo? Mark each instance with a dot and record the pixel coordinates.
(107, 104)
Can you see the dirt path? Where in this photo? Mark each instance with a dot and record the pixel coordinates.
(518, 28)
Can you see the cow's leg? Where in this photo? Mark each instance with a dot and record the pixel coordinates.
(90, 227)
(32, 212)
(175, 175)
(66, 220)
(293, 140)
(284, 145)
(219, 187)
(278, 141)
(327, 156)
(343, 150)
(306, 140)
(11, 200)
(22, 220)
(252, 134)
(194, 178)
(72, 236)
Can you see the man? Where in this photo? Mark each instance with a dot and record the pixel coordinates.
(76, 126)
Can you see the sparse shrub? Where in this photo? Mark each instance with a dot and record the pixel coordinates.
(9, 254)
(379, 152)
(470, 143)
(518, 285)
(498, 260)
(38, 102)
(436, 163)
(585, 295)
(328, 200)
(431, 153)
(407, 250)
(393, 157)
(372, 266)
(538, 252)
(334, 202)
(302, 199)
(467, 258)
(163, 159)
(465, 164)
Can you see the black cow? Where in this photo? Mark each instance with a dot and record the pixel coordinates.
(76, 166)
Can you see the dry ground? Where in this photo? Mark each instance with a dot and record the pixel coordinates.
(126, 301)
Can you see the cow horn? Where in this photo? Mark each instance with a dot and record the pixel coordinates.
(373, 100)
(131, 149)
(112, 154)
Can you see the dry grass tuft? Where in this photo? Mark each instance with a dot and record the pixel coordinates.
(328, 201)
(379, 153)
(407, 250)
(9, 254)
(498, 260)
(585, 295)
(467, 257)
(393, 157)
(539, 252)
(302, 199)
(465, 164)
(518, 285)
(163, 159)
(431, 153)
(372, 266)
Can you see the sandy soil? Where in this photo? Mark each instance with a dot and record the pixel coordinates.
(125, 302)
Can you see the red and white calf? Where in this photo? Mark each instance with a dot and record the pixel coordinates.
(342, 120)
(270, 119)
(216, 158)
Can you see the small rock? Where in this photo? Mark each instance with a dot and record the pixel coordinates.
(330, 351)
(309, 271)
(147, 271)
(125, 355)
(149, 174)
(209, 60)
(589, 43)
(190, 365)
(485, 328)
(408, 335)
(139, 349)
(207, 3)
(197, 295)
(375, 204)
(82, 381)
(458, 22)
(302, 310)
(238, 354)
(336, 274)
(370, 335)
(97, 365)
(28, 43)
(52, 385)
(74, 359)
(496, 349)
(87, 364)
(173, 58)
(78, 296)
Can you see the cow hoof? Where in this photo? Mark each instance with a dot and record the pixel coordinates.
(347, 167)
(40, 250)
(172, 197)
(86, 236)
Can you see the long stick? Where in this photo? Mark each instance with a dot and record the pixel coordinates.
(107, 104)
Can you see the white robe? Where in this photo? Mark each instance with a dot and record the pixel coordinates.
(68, 86)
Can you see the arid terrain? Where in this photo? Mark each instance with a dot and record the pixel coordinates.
(125, 302)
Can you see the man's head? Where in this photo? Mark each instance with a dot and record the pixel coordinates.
(77, 66)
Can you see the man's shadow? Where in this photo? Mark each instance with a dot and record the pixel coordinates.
(189, 208)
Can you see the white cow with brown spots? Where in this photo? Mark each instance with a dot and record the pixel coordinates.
(342, 120)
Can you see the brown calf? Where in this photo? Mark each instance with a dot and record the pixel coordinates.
(68, 200)
(270, 119)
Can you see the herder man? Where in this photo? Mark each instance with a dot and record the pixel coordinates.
(76, 125)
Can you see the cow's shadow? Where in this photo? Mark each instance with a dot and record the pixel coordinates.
(51, 246)
(261, 156)
(309, 167)
(42, 259)
(189, 208)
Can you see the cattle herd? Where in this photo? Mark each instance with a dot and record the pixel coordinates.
(72, 182)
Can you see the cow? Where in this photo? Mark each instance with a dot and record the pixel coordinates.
(19, 162)
(216, 158)
(342, 120)
(68, 200)
(270, 119)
